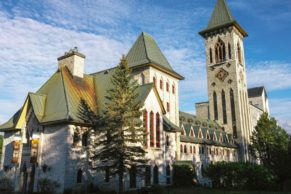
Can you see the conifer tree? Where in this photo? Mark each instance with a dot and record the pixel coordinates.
(119, 135)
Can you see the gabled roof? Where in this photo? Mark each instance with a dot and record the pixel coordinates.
(102, 81)
(57, 100)
(256, 92)
(145, 51)
(221, 17)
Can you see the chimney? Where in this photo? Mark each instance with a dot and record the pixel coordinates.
(74, 61)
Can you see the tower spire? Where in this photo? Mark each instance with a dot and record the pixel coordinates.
(221, 17)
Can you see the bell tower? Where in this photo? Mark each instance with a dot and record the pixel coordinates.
(226, 75)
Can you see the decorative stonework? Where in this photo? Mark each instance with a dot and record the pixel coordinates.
(221, 74)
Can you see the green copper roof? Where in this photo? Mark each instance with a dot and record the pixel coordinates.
(10, 124)
(221, 17)
(145, 50)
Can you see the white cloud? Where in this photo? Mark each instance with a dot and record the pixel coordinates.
(28, 56)
(280, 109)
(268, 73)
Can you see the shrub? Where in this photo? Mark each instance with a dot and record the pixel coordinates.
(47, 186)
(240, 175)
(183, 175)
(6, 184)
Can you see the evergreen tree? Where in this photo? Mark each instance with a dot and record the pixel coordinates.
(269, 143)
(119, 138)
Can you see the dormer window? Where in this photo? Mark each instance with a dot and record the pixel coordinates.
(200, 135)
(192, 133)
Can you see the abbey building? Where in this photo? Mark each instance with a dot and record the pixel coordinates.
(46, 138)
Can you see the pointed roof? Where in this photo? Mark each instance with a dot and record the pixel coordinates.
(221, 17)
(145, 51)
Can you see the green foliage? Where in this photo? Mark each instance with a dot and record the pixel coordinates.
(47, 186)
(269, 143)
(183, 175)
(6, 185)
(120, 141)
(239, 175)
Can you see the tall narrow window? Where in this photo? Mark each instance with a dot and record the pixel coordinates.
(181, 148)
(233, 116)
(167, 141)
(158, 123)
(190, 149)
(194, 150)
(161, 84)
(85, 139)
(132, 177)
(145, 125)
(152, 141)
(229, 51)
(107, 175)
(185, 149)
(210, 55)
(79, 176)
(167, 86)
(148, 175)
(155, 81)
(220, 51)
(168, 174)
(173, 89)
(168, 107)
(223, 107)
(142, 79)
(215, 106)
(156, 175)
(239, 53)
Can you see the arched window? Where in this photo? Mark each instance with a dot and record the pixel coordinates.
(200, 135)
(158, 123)
(192, 133)
(161, 84)
(190, 149)
(148, 175)
(194, 150)
(132, 177)
(233, 116)
(167, 86)
(167, 141)
(156, 175)
(168, 174)
(181, 148)
(155, 81)
(210, 55)
(79, 176)
(215, 106)
(107, 175)
(207, 136)
(239, 53)
(145, 125)
(142, 79)
(229, 51)
(183, 132)
(223, 107)
(185, 149)
(152, 134)
(85, 139)
(173, 89)
(220, 51)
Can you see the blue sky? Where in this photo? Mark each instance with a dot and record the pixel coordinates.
(34, 33)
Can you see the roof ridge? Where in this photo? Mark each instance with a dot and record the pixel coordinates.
(65, 92)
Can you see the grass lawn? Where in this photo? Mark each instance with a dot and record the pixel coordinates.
(198, 190)
(213, 191)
